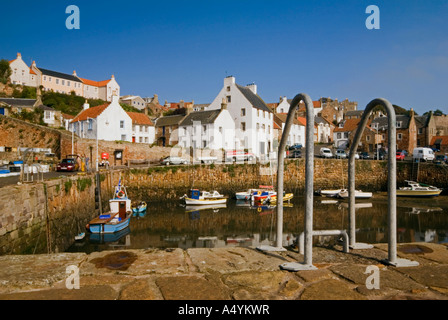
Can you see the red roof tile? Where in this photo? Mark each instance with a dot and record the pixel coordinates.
(349, 125)
(93, 113)
(140, 118)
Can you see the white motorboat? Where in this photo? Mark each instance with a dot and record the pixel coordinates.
(330, 193)
(343, 194)
(416, 189)
(204, 198)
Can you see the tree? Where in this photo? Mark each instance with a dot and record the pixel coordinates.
(5, 71)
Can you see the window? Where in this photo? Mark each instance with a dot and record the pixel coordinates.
(123, 137)
(68, 83)
(57, 81)
(243, 112)
(63, 82)
(367, 138)
(220, 129)
(204, 144)
(398, 124)
(229, 99)
(399, 136)
(228, 88)
(204, 129)
(339, 135)
(243, 126)
(90, 125)
(121, 124)
(420, 130)
(258, 126)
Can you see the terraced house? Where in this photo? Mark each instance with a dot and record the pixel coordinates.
(253, 119)
(56, 81)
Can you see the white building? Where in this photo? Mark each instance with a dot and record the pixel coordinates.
(107, 122)
(323, 130)
(283, 106)
(134, 101)
(103, 90)
(253, 118)
(296, 133)
(21, 73)
(143, 130)
(211, 129)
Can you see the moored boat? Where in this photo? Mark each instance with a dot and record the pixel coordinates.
(343, 194)
(119, 216)
(330, 193)
(286, 198)
(206, 198)
(247, 195)
(140, 208)
(262, 194)
(416, 189)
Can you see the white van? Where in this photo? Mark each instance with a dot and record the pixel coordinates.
(423, 154)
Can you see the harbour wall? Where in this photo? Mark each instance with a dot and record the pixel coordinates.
(169, 183)
(44, 217)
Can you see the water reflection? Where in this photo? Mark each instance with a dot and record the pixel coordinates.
(172, 225)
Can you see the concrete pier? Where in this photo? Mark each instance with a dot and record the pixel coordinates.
(227, 274)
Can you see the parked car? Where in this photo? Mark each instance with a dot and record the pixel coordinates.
(404, 151)
(340, 154)
(364, 155)
(297, 146)
(423, 154)
(380, 155)
(325, 153)
(173, 160)
(68, 165)
(295, 154)
(441, 159)
(239, 155)
(356, 155)
(400, 155)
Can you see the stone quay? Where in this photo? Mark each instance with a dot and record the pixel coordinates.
(226, 274)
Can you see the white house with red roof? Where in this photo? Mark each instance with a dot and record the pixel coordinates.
(110, 122)
(103, 90)
(143, 130)
(60, 82)
(107, 122)
(21, 73)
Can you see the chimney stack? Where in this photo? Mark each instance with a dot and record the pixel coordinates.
(86, 105)
(224, 104)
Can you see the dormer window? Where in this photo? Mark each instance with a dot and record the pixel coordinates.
(398, 124)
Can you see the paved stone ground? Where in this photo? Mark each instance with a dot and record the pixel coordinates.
(226, 274)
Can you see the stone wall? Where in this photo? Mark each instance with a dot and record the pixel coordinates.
(169, 183)
(45, 217)
(16, 133)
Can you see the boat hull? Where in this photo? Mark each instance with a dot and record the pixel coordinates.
(330, 193)
(110, 227)
(196, 202)
(418, 194)
(243, 196)
(358, 195)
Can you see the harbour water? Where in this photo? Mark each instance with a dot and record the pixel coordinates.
(174, 225)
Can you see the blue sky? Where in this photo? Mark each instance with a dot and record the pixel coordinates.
(184, 49)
